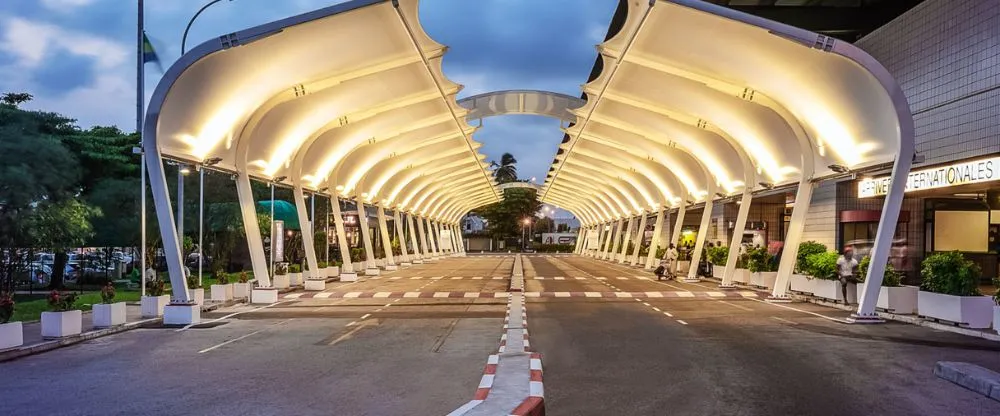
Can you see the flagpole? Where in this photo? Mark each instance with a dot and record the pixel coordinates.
(139, 103)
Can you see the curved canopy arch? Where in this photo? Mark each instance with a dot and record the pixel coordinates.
(540, 103)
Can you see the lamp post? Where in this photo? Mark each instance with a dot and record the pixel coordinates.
(182, 171)
(191, 22)
(524, 240)
(201, 211)
(273, 237)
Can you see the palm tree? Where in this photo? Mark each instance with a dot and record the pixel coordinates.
(507, 170)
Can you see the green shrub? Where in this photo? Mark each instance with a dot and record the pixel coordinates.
(294, 268)
(192, 281)
(759, 260)
(822, 265)
(244, 277)
(660, 252)
(950, 274)
(807, 249)
(356, 254)
(280, 269)
(155, 287)
(61, 302)
(108, 293)
(718, 255)
(322, 265)
(890, 278)
(996, 296)
(6, 307)
(221, 277)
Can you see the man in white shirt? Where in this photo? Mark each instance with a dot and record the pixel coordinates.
(846, 265)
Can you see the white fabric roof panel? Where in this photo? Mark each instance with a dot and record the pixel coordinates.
(744, 99)
(305, 99)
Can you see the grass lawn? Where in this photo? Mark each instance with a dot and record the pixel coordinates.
(30, 307)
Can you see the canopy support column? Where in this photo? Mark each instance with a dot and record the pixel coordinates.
(165, 219)
(414, 246)
(609, 236)
(803, 197)
(699, 243)
(640, 235)
(454, 238)
(397, 222)
(625, 240)
(369, 264)
(618, 239)
(432, 237)
(307, 231)
(869, 292)
(654, 244)
(676, 236)
(258, 260)
(579, 239)
(383, 226)
(737, 238)
(338, 223)
(424, 242)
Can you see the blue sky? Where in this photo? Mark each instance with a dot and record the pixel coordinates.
(77, 56)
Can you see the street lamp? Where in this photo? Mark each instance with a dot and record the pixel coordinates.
(182, 171)
(271, 232)
(188, 28)
(201, 211)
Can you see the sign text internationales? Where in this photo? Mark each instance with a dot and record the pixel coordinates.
(976, 171)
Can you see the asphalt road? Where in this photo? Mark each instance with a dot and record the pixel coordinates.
(732, 356)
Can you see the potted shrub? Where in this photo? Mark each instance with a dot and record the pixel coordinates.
(683, 262)
(108, 313)
(823, 269)
(295, 275)
(11, 333)
(949, 291)
(892, 296)
(222, 290)
(281, 279)
(61, 320)
(242, 287)
(333, 269)
(801, 280)
(762, 268)
(195, 291)
(996, 306)
(321, 272)
(155, 300)
(718, 257)
(742, 274)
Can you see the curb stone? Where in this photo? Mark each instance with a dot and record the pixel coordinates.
(16, 353)
(970, 376)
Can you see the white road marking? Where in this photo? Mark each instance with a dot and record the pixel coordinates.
(416, 277)
(736, 306)
(668, 314)
(681, 322)
(382, 294)
(323, 295)
(803, 311)
(240, 338)
(784, 320)
(411, 295)
(715, 294)
(349, 295)
(441, 294)
(562, 294)
(365, 316)
(656, 309)
(684, 294)
(294, 295)
(592, 294)
(654, 295)
(472, 294)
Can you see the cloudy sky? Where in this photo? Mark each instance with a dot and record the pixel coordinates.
(77, 57)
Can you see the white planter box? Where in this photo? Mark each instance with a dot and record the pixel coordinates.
(901, 300)
(763, 279)
(969, 311)
(315, 285)
(181, 314)
(264, 295)
(198, 295)
(742, 276)
(320, 274)
(241, 290)
(61, 324)
(295, 279)
(222, 293)
(348, 277)
(802, 283)
(683, 266)
(996, 319)
(830, 289)
(152, 306)
(11, 335)
(718, 271)
(332, 271)
(281, 281)
(109, 315)
(371, 272)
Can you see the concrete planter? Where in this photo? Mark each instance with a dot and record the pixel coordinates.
(315, 285)
(282, 281)
(802, 284)
(968, 311)
(295, 279)
(996, 318)
(320, 274)
(241, 290)
(830, 289)
(11, 335)
(152, 306)
(763, 279)
(901, 300)
(198, 295)
(718, 271)
(348, 277)
(222, 293)
(683, 266)
(264, 295)
(332, 271)
(742, 276)
(62, 324)
(109, 315)
(177, 314)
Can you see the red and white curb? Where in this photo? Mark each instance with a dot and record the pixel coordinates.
(498, 295)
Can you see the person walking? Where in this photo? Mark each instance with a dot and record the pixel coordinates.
(846, 265)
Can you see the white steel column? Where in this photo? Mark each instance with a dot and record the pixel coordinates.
(307, 231)
(258, 260)
(454, 238)
(699, 244)
(165, 219)
(617, 240)
(580, 235)
(435, 232)
(625, 240)
(430, 238)
(366, 235)
(883, 236)
(803, 197)
(383, 227)
(737, 238)
(424, 242)
(655, 243)
(414, 246)
(640, 235)
(678, 224)
(338, 223)
(397, 222)
(609, 236)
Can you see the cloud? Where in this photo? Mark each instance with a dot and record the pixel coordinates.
(65, 5)
(31, 42)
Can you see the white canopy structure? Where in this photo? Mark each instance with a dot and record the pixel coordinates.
(694, 102)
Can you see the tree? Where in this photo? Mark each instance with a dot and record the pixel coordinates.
(59, 227)
(544, 225)
(507, 170)
(504, 218)
(15, 98)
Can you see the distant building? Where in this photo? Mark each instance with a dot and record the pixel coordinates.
(473, 224)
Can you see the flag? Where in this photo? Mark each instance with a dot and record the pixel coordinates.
(149, 53)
